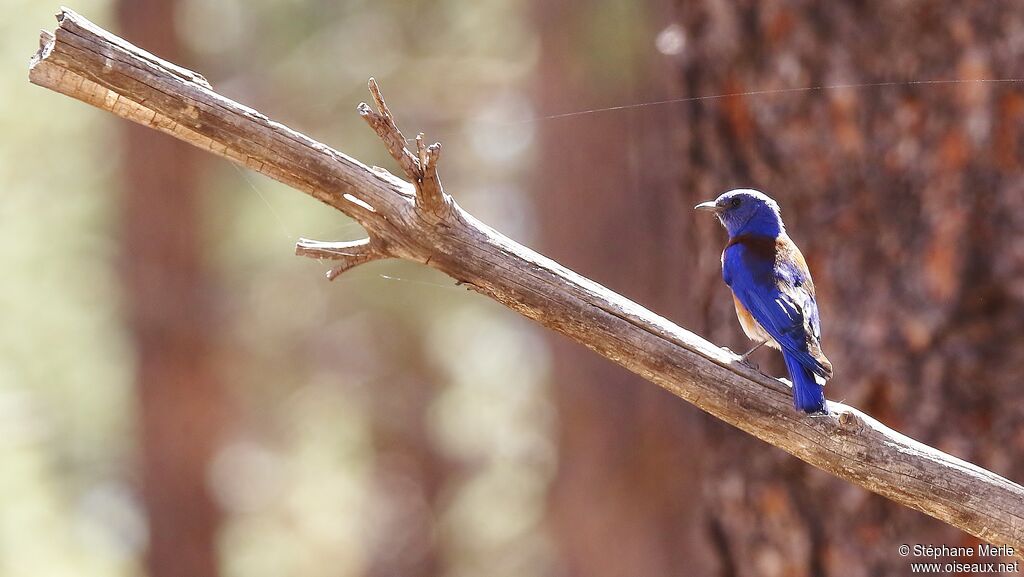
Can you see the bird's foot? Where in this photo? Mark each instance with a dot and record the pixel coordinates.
(749, 362)
(744, 359)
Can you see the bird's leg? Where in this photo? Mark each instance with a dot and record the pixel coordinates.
(747, 354)
(745, 357)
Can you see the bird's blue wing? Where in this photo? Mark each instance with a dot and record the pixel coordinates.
(777, 291)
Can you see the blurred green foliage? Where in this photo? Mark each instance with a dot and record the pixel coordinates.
(66, 503)
(311, 366)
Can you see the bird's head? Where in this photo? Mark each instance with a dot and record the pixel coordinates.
(746, 211)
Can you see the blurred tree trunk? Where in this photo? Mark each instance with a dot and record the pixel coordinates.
(180, 398)
(908, 203)
(409, 473)
(626, 499)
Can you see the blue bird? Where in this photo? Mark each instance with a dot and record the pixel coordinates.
(773, 291)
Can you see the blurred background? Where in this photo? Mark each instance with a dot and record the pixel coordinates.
(181, 396)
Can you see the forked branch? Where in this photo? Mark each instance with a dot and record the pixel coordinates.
(421, 223)
(420, 168)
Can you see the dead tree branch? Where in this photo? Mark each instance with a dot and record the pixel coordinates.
(419, 222)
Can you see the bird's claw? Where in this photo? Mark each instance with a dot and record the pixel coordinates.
(743, 359)
(748, 362)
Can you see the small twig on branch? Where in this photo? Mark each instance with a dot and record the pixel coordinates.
(421, 167)
(384, 125)
(92, 65)
(430, 191)
(350, 253)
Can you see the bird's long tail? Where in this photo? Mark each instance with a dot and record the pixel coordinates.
(808, 394)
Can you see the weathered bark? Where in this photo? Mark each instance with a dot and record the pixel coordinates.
(180, 398)
(627, 496)
(92, 65)
(907, 202)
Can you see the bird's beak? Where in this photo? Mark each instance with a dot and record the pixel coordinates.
(708, 206)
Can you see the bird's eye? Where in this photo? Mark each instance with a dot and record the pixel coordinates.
(735, 202)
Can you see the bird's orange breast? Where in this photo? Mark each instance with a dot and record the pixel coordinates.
(750, 326)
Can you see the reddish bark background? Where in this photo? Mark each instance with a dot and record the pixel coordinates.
(906, 201)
